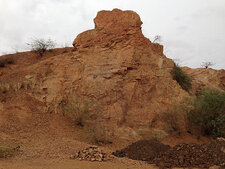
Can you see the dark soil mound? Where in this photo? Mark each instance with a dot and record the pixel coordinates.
(145, 150)
(181, 155)
(193, 155)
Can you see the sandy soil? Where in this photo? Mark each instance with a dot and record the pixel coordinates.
(72, 164)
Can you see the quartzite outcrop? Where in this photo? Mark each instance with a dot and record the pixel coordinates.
(123, 70)
(114, 66)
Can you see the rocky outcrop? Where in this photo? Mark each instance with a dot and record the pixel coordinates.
(114, 66)
(120, 69)
(112, 27)
(206, 78)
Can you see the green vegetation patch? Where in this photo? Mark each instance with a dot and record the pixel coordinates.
(181, 77)
(209, 113)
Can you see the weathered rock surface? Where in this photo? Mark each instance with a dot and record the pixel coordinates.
(206, 78)
(115, 66)
(112, 27)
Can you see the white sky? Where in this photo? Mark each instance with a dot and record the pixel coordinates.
(193, 31)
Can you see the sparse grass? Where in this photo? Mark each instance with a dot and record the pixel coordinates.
(88, 115)
(157, 134)
(99, 134)
(209, 113)
(4, 87)
(77, 110)
(171, 118)
(4, 153)
(7, 150)
(146, 132)
(182, 78)
(176, 115)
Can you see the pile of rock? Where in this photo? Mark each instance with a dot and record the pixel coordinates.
(92, 154)
(193, 155)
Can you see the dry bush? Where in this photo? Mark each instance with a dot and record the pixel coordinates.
(6, 60)
(175, 117)
(87, 114)
(77, 109)
(4, 87)
(40, 46)
(7, 150)
(157, 134)
(99, 134)
(146, 132)
(207, 64)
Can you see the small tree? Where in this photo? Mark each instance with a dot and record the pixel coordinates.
(41, 45)
(207, 64)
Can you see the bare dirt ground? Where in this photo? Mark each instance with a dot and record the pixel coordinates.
(51, 144)
(53, 141)
(47, 140)
(72, 164)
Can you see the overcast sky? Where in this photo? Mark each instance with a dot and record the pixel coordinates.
(192, 31)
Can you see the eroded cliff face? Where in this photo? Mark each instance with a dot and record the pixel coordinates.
(113, 65)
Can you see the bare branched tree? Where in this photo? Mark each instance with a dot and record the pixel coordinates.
(41, 45)
(157, 39)
(207, 64)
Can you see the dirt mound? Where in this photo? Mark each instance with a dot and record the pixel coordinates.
(145, 150)
(193, 155)
(181, 155)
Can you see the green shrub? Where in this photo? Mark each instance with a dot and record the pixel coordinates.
(181, 77)
(209, 113)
